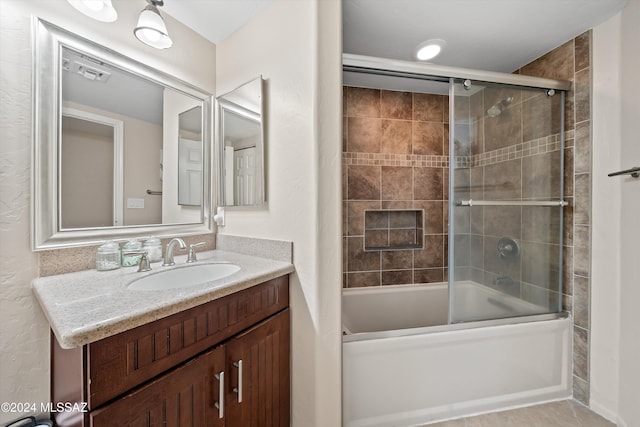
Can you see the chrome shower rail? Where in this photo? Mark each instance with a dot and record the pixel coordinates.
(370, 64)
(472, 202)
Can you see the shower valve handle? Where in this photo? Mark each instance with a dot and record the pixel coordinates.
(508, 248)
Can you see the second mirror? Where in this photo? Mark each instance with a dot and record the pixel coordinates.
(241, 145)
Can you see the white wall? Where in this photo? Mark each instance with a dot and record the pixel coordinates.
(296, 46)
(605, 248)
(615, 370)
(24, 332)
(629, 395)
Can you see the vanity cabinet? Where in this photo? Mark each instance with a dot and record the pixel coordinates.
(224, 363)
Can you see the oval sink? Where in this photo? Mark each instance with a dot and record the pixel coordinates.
(183, 277)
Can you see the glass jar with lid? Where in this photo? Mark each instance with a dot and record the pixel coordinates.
(108, 256)
(153, 246)
(133, 245)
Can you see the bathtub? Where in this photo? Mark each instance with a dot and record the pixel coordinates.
(403, 365)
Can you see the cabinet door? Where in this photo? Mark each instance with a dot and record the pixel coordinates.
(258, 367)
(186, 396)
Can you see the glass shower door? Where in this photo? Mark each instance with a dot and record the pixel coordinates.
(506, 201)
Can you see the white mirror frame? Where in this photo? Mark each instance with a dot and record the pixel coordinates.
(45, 210)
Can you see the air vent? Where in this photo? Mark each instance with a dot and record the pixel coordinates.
(88, 71)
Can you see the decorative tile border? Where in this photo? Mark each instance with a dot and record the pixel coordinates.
(409, 160)
(518, 151)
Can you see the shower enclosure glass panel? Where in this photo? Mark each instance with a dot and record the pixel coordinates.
(506, 192)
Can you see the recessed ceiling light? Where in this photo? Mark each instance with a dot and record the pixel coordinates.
(429, 49)
(100, 10)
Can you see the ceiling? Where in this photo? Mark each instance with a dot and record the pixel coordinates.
(215, 20)
(119, 91)
(493, 35)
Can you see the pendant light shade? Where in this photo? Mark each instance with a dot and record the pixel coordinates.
(151, 29)
(100, 10)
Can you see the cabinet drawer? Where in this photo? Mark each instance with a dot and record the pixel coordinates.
(121, 362)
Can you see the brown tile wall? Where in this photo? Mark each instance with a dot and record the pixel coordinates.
(572, 61)
(395, 147)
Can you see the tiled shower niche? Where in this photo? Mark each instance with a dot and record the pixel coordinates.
(392, 230)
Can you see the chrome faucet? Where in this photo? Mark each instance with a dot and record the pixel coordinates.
(168, 252)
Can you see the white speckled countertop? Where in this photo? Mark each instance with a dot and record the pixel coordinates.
(87, 306)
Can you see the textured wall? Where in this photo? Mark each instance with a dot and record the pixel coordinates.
(24, 338)
(24, 332)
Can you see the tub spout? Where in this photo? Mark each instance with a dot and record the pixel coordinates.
(507, 285)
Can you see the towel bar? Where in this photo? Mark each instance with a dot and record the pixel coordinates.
(634, 172)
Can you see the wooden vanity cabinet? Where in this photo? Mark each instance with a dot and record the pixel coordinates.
(239, 378)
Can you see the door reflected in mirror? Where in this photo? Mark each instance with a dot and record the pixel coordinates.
(241, 145)
(190, 157)
(90, 170)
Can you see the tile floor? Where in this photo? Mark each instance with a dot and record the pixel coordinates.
(566, 413)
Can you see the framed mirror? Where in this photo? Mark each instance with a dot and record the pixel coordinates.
(240, 143)
(120, 149)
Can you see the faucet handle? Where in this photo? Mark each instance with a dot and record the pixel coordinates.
(144, 264)
(192, 251)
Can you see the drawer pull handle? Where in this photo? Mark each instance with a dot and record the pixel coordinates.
(238, 390)
(220, 404)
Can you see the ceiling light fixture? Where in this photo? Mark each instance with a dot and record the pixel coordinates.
(100, 10)
(151, 29)
(429, 49)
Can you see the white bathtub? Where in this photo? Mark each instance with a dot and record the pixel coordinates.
(403, 365)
